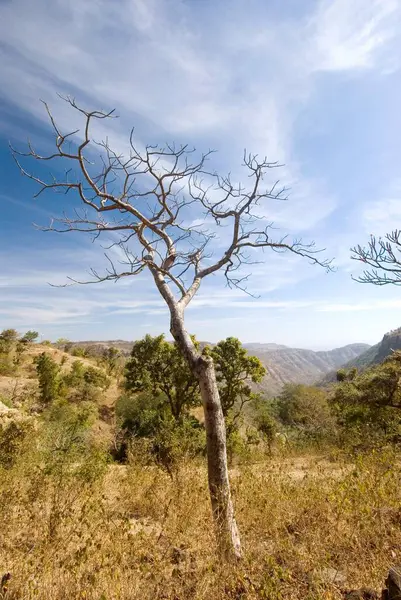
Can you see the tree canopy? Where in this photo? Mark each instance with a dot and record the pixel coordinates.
(235, 370)
(304, 406)
(371, 398)
(158, 366)
(48, 372)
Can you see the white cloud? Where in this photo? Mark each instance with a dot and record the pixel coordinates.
(361, 306)
(352, 34)
(384, 215)
(149, 60)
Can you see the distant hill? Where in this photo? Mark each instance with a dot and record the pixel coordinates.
(372, 356)
(260, 347)
(296, 365)
(97, 347)
(284, 364)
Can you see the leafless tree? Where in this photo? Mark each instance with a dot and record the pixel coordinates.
(383, 255)
(150, 198)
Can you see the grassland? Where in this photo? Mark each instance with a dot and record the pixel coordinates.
(79, 528)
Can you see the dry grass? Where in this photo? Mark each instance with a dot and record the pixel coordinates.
(109, 533)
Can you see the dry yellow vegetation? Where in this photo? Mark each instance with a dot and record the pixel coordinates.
(84, 529)
(75, 526)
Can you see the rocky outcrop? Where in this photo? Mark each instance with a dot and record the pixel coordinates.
(373, 356)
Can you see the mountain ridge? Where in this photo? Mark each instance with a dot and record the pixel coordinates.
(372, 356)
(298, 365)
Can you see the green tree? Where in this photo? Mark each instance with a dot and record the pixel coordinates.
(20, 349)
(305, 407)
(48, 372)
(29, 337)
(265, 421)
(75, 377)
(372, 398)
(8, 342)
(113, 360)
(8, 337)
(235, 371)
(159, 367)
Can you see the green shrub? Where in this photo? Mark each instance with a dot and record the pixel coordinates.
(48, 372)
(367, 404)
(147, 417)
(84, 383)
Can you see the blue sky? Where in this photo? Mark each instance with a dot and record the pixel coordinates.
(314, 84)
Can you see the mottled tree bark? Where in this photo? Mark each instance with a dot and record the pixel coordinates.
(227, 534)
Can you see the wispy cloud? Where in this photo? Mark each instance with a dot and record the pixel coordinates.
(361, 306)
(384, 215)
(213, 90)
(221, 74)
(353, 35)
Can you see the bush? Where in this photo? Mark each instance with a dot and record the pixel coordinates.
(48, 372)
(84, 383)
(266, 424)
(78, 351)
(14, 431)
(306, 410)
(53, 479)
(147, 417)
(175, 441)
(140, 415)
(238, 449)
(7, 367)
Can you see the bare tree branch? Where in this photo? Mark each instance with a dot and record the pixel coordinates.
(383, 255)
(150, 195)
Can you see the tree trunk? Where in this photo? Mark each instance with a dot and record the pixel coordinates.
(219, 486)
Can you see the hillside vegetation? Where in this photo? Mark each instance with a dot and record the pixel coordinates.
(103, 483)
(283, 364)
